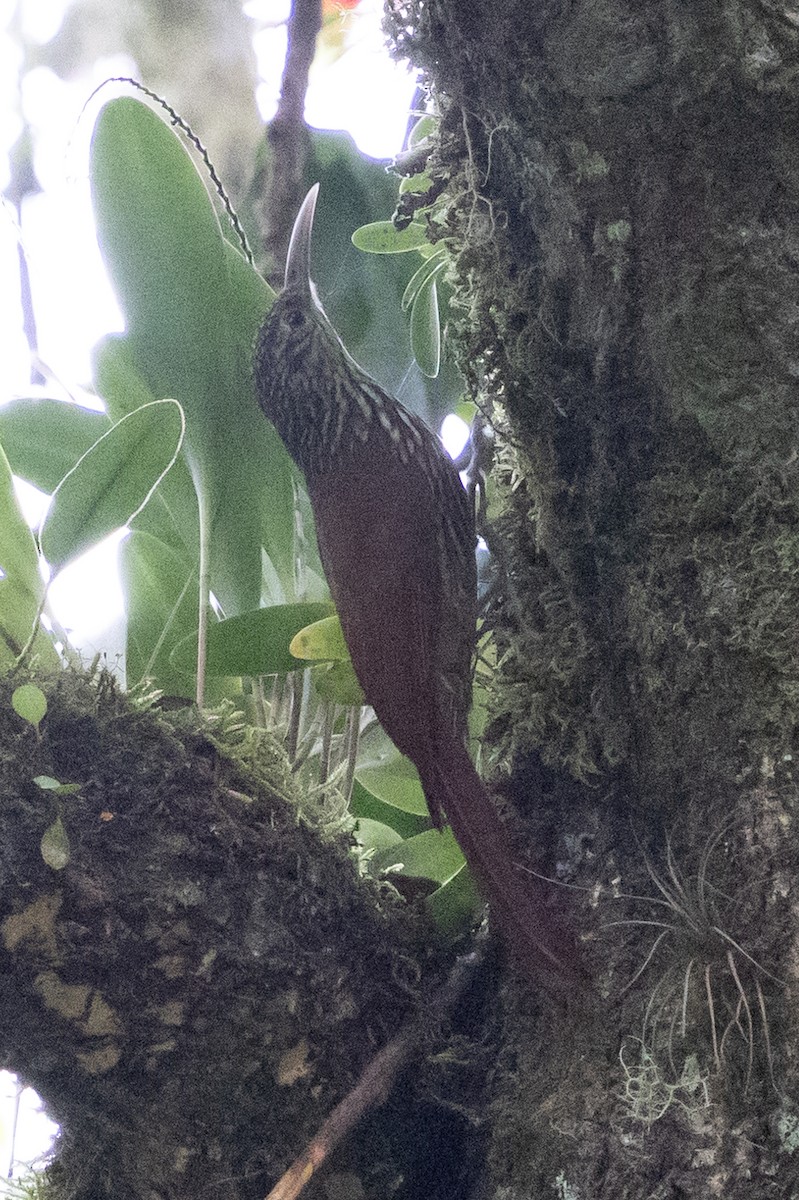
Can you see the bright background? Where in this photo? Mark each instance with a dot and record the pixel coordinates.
(356, 87)
(73, 301)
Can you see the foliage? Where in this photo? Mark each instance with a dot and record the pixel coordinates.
(405, 233)
(219, 523)
(363, 293)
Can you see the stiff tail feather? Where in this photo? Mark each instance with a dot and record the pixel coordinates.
(517, 900)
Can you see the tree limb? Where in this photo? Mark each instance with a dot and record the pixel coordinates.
(287, 135)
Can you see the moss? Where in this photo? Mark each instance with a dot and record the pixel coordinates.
(622, 216)
(154, 990)
(621, 322)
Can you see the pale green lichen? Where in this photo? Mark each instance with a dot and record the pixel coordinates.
(619, 231)
(564, 1188)
(647, 1095)
(788, 1130)
(589, 164)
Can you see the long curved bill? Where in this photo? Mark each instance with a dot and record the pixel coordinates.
(298, 261)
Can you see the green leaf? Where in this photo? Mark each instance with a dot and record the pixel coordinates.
(374, 835)
(429, 855)
(424, 128)
(193, 306)
(45, 438)
(117, 377)
(160, 588)
(172, 515)
(393, 779)
(416, 183)
(255, 643)
(30, 703)
(112, 481)
(432, 268)
(338, 682)
(426, 329)
(362, 291)
(453, 907)
(21, 584)
(465, 409)
(55, 845)
(323, 640)
(381, 237)
(48, 784)
(364, 805)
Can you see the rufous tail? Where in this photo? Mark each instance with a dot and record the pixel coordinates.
(517, 899)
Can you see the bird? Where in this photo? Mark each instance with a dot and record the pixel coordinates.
(396, 535)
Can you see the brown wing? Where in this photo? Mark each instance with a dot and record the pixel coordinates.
(401, 581)
(459, 592)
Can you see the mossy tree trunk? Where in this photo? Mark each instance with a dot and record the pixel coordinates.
(623, 182)
(196, 978)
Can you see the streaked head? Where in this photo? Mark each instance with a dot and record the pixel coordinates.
(299, 355)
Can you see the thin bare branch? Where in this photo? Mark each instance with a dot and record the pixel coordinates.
(767, 1036)
(378, 1078)
(686, 984)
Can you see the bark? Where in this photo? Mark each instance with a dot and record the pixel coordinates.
(205, 977)
(622, 203)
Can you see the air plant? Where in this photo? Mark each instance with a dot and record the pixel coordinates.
(707, 968)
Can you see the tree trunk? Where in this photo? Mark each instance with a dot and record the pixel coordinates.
(622, 184)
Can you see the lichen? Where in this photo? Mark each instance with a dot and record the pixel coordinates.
(788, 1129)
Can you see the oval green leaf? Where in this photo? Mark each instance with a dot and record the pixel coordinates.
(30, 703)
(254, 643)
(160, 587)
(431, 269)
(117, 377)
(395, 781)
(364, 805)
(112, 481)
(48, 784)
(322, 641)
(454, 907)
(426, 329)
(172, 517)
(424, 128)
(21, 584)
(55, 845)
(465, 409)
(374, 835)
(338, 682)
(429, 855)
(45, 438)
(416, 183)
(192, 308)
(381, 237)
